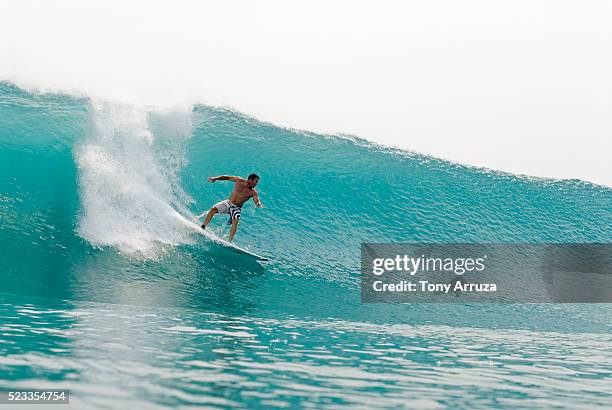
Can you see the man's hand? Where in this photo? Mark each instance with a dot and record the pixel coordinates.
(258, 203)
(211, 179)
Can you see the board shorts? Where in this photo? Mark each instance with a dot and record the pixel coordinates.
(226, 207)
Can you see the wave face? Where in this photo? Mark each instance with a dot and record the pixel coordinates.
(86, 199)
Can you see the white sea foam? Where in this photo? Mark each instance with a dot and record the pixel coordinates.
(127, 186)
(521, 86)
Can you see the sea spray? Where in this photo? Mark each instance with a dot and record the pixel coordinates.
(128, 178)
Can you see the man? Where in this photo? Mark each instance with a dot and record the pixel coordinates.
(244, 189)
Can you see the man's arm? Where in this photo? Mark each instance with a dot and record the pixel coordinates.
(224, 178)
(258, 203)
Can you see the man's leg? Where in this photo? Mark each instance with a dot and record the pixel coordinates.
(209, 216)
(234, 227)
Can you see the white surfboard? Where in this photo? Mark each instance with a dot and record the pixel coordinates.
(213, 237)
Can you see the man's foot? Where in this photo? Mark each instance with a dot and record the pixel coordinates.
(203, 226)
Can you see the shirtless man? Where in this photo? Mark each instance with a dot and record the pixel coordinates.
(244, 189)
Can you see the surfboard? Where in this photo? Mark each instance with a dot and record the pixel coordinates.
(222, 242)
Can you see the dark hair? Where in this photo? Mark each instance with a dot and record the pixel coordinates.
(253, 176)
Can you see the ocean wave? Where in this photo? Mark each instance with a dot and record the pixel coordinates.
(92, 188)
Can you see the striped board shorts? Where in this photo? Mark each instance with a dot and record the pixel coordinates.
(226, 207)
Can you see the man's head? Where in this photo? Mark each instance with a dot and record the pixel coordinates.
(253, 179)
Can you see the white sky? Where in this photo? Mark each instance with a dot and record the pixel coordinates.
(522, 86)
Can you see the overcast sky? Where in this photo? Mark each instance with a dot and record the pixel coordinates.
(522, 86)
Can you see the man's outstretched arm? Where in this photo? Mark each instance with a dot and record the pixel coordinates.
(224, 178)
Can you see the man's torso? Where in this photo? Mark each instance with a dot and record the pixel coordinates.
(241, 193)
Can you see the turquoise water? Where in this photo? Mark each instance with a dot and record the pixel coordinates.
(102, 292)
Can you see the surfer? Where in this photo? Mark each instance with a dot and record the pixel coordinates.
(244, 189)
